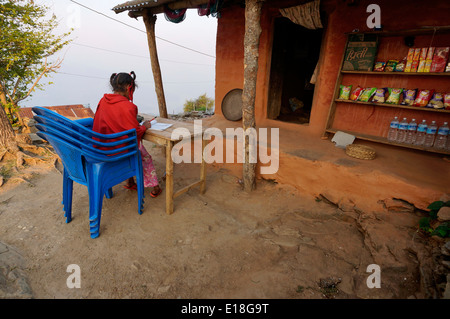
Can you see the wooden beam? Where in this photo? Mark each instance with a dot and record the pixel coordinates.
(149, 21)
(251, 52)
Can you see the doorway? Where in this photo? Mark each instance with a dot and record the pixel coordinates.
(295, 53)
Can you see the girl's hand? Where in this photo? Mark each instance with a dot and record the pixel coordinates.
(147, 124)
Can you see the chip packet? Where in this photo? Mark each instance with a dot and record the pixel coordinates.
(356, 93)
(366, 94)
(380, 95)
(422, 98)
(400, 67)
(447, 101)
(394, 96)
(409, 95)
(437, 101)
(379, 66)
(344, 92)
(390, 65)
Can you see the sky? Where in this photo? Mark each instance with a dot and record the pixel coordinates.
(102, 46)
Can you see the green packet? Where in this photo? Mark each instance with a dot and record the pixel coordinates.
(394, 96)
(367, 94)
(344, 92)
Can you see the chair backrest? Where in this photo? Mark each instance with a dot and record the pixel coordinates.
(110, 143)
(71, 156)
(78, 125)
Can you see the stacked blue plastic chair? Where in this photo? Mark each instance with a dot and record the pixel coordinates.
(98, 161)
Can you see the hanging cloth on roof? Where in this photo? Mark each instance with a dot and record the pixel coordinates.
(307, 15)
(175, 16)
(211, 8)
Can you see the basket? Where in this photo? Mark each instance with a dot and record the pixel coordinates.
(360, 151)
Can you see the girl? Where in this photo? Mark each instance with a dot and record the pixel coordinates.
(117, 113)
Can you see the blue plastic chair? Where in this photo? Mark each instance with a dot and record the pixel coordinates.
(87, 164)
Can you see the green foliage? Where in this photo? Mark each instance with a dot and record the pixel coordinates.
(26, 43)
(427, 223)
(202, 103)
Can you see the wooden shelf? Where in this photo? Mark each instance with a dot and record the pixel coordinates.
(398, 73)
(378, 139)
(441, 76)
(398, 106)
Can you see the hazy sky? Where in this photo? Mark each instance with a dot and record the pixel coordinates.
(89, 61)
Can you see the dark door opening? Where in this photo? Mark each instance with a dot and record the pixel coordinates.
(295, 53)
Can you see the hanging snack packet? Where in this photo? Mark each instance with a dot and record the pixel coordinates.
(379, 66)
(422, 98)
(447, 101)
(394, 96)
(380, 95)
(409, 96)
(437, 101)
(344, 92)
(356, 93)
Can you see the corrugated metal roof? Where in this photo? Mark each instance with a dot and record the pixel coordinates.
(139, 4)
(72, 111)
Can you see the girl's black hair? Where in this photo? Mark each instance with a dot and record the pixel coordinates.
(120, 81)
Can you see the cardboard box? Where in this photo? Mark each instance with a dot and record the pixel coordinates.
(421, 67)
(408, 66)
(416, 56)
(410, 54)
(414, 66)
(430, 53)
(440, 58)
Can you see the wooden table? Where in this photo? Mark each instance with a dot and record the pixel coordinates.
(164, 138)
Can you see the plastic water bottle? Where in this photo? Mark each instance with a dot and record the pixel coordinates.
(442, 137)
(411, 134)
(421, 133)
(402, 130)
(393, 128)
(431, 132)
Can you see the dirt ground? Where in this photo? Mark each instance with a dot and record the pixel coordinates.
(273, 243)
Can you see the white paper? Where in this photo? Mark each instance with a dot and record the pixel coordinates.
(159, 126)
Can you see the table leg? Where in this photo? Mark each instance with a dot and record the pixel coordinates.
(203, 170)
(169, 178)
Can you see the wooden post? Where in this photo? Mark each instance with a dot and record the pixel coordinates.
(149, 21)
(251, 52)
(169, 178)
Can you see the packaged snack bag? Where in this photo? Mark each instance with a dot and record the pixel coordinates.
(423, 53)
(390, 65)
(437, 101)
(379, 66)
(344, 92)
(422, 98)
(400, 67)
(366, 94)
(394, 96)
(408, 66)
(421, 67)
(409, 95)
(416, 56)
(447, 101)
(430, 53)
(429, 59)
(380, 95)
(414, 66)
(410, 55)
(356, 93)
(439, 59)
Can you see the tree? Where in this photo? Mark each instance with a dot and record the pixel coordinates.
(202, 103)
(26, 43)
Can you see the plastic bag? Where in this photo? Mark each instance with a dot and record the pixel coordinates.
(394, 96)
(366, 94)
(447, 101)
(380, 95)
(379, 66)
(409, 95)
(344, 92)
(437, 101)
(390, 65)
(422, 98)
(356, 93)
